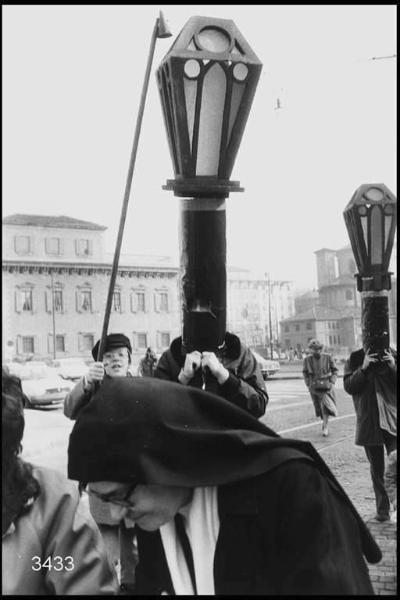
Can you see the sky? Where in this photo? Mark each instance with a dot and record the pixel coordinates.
(72, 80)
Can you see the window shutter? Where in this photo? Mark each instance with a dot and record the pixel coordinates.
(48, 302)
(158, 338)
(122, 300)
(61, 246)
(90, 247)
(134, 340)
(156, 302)
(50, 343)
(77, 247)
(133, 302)
(19, 344)
(18, 303)
(78, 308)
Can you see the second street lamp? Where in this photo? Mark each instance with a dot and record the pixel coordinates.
(207, 82)
(370, 218)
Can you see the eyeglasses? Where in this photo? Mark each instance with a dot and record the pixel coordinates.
(109, 498)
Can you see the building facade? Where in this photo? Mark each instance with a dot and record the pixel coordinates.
(255, 308)
(55, 282)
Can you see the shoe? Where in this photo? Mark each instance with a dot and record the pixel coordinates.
(382, 517)
(324, 431)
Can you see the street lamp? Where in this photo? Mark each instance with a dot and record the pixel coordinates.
(370, 218)
(207, 82)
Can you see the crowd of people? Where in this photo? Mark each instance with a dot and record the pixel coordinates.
(175, 487)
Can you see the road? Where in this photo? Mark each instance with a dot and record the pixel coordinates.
(290, 412)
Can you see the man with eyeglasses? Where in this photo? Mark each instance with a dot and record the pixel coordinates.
(119, 539)
(222, 504)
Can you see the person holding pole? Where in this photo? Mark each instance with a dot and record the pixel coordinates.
(116, 361)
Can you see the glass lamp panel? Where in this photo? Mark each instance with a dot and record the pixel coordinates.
(376, 236)
(388, 224)
(236, 98)
(364, 225)
(190, 86)
(214, 40)
(211, 118)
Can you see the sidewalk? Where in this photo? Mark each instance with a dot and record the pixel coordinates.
(384, 574)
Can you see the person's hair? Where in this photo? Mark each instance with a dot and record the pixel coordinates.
(18, 483)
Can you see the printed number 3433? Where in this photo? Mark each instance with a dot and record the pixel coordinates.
(58, 563)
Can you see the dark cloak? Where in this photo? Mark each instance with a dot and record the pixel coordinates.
(159, 432)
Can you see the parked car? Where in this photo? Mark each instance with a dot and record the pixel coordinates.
(43, 387)
(268, 367)
(70, 368)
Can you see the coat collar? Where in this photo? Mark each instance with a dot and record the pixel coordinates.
(232, 348)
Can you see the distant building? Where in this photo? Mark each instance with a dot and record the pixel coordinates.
(251, 302)
(333, 314)
(59, 264)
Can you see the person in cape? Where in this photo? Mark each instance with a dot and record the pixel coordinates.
(201, 478)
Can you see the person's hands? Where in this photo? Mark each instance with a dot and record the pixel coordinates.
(210, 361)
(388, 358)
(95, 372)
(192, 363)
(368, 360)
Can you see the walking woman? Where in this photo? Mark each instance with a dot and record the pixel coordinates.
(320, 373)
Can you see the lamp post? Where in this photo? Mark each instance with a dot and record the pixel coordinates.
(53, 313)
(271, 347)
(370, 218)
(207, 82)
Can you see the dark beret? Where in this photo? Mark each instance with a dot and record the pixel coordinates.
(113, 340)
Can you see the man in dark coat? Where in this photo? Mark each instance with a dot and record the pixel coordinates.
(372, 383)
(232, 372)
(201, 479)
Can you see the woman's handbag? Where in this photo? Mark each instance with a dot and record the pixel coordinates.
(322, 384)
(329, 405)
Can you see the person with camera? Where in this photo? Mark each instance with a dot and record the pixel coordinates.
(370, 378)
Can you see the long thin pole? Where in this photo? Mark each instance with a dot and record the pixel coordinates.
(54, 315)
(126, 195)
(270, 317)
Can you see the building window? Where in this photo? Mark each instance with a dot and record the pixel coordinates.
(349, 295)
(116, 303)
(338, 340)
(140, 341)
(28, 345)
(330, 340)
(85, 341)
(84, 301)
(286, 328)
(24, 300)
(138, 301)
(83, 247)
(297, 328)
(22, 244)
(58, 301)
(161, 301)
(165, 339)
(308, 325)
(53, 245)
(60, 343)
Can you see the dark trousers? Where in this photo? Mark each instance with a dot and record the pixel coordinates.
(376, 458)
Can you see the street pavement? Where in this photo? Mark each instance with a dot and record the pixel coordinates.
(291, 414)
